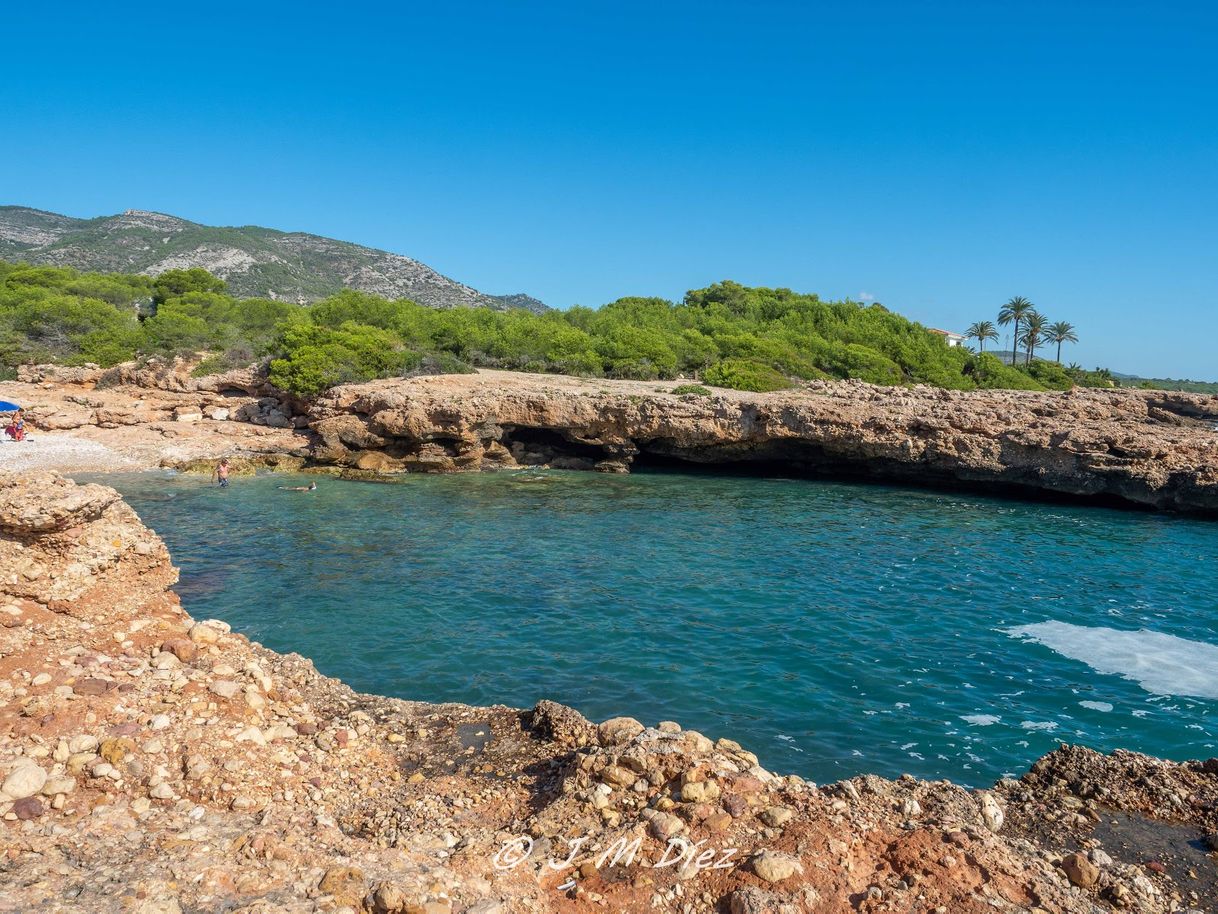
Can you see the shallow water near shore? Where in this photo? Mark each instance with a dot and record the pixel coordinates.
(832, 628)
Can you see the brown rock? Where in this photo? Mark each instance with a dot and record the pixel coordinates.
(736, 805)
(1080, 871)
(182, 648)
(92, 686)
(718, 821)
(345, 883)
(28, 808)
(388, 898)
(562, 724)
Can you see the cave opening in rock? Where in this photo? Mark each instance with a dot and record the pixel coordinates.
(549, 444)
(800, 460)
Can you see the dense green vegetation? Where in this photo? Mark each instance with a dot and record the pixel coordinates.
(1195, 387)
(725, 335)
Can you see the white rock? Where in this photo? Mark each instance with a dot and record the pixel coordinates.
(82, 743)
(991, 813)
(58, 785)
(25, 780)
(225, 688)
(251, 735)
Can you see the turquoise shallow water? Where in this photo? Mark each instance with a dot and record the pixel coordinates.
(832, 628)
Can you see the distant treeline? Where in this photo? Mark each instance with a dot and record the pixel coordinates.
(725, 335)
(1193, 387)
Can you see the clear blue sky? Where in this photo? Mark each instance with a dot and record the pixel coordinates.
(939, 157)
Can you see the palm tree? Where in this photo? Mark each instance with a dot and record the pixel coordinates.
(1015, 311)
(1061, 332)
(981, 331)
(1035, 330)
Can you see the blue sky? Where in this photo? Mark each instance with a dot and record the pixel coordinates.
(939, 157)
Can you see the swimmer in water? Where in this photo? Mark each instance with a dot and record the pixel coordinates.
(311, 487)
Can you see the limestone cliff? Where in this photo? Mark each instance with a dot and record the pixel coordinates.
(1150, 448)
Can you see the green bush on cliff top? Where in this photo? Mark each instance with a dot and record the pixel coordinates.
(727, 335)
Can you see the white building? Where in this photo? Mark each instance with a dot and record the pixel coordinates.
(953, 339)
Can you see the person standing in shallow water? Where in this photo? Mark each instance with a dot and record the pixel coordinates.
(220, 473)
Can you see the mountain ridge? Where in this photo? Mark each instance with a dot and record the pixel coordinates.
(254, 260)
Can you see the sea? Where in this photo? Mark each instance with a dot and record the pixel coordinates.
(832, 628)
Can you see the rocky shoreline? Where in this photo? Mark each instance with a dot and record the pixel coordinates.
(156, 764)
(1150, 449)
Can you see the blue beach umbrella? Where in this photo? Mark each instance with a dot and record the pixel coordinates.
(7, 407)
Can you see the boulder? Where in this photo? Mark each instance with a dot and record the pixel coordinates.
(773, 866)
(618, 730)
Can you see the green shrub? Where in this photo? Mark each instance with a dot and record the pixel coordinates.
(696, 390)
(440, 363)
(175, 283)
(863, 363)
(317, 358)
(742, 374)
(1050, 374)
(990, 372)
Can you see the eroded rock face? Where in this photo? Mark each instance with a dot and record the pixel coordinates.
(151, 762)
(1148, 448)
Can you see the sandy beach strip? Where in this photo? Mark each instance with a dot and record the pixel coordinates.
(63, 453)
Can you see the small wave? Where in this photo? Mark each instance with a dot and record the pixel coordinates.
(981, 720)
(1045, 725)
(1161, 664)
(1096, 705)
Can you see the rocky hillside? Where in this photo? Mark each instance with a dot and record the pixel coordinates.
(151, 763)
(254, 261)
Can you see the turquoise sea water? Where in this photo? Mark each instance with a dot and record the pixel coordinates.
(832, 628)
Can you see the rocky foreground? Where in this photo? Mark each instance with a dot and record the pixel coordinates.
(154, 764)
(1152, 449)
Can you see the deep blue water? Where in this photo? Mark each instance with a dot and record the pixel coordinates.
(832, 628)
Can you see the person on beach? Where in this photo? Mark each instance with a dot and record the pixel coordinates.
(16, 427)
(311, 487)
(220, 473)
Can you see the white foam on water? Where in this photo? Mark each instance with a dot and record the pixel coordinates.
(1096, 705)
(1045, 725)
(1161, 664)
(981, 720)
